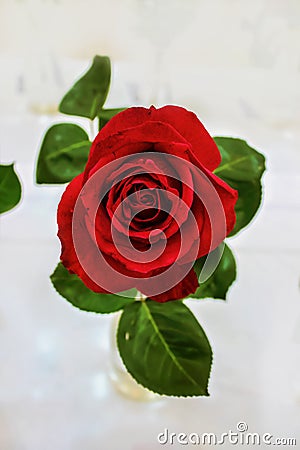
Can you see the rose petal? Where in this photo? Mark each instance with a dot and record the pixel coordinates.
(184, 288)
(185, 122)
(68, 254)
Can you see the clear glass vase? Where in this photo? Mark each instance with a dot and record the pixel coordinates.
(118, 375)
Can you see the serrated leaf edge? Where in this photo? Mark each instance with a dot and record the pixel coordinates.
(206, 394)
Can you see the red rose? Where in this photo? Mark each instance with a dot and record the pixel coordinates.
(147, 205)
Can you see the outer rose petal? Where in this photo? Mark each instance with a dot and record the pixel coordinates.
(190, 127)
(64, 221)
(183, 289)
(128, 142)
(228, 197)
(185, 122)
(68, 253)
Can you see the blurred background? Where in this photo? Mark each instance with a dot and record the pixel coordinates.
(237, 65)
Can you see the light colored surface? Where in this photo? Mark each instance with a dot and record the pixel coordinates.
(54, 392)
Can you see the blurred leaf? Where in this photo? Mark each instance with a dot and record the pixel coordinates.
(242, 168)
(63, 155)
(164, 348)
(105, 115)
(89, 93)
(10, 188)
(72, 288)
(217, 285)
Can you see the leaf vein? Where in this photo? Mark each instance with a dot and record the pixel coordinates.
(168, 350)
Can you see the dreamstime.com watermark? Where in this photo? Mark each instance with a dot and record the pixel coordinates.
(240, 436)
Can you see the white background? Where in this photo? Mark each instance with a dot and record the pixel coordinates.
(237, 65)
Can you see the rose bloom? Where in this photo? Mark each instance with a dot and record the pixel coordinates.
(146, 206)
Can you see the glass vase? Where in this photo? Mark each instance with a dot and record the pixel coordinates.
(118, 375)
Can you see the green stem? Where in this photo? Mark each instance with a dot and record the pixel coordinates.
(92, 130)
(140, 297)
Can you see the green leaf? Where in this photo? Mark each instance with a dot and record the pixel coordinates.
(63, 155)
(10, 188)
(164, 348)
(75, 291)
(242, 168)
(217, 285)
(105, 115)
(89, 93)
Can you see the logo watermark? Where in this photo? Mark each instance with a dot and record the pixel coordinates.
(240, 436)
